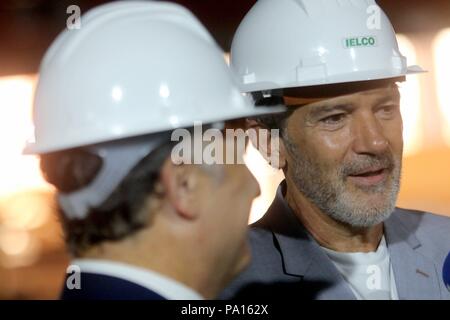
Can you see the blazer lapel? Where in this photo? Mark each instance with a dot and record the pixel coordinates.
(415, 275)
(301, 255)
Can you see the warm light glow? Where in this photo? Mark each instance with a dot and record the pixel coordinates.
(268, 179)
(22, 207)
(14, 242)
(410, 101)
(27, 211)
(442, 70)
(17, 172)
(226, 56)
(18, 248)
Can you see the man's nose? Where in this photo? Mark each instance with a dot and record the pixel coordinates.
(369, 137)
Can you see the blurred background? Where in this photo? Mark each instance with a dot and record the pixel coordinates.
(32, 254)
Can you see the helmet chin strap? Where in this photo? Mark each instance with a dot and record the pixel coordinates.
(118, 159)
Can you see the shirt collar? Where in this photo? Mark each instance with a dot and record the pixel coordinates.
(357, 258)
(165, 286)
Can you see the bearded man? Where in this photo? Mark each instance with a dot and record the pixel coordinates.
(333, 222)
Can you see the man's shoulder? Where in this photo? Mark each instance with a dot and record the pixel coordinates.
(262, 242)
(431, 230)
(95, 286)
(261, 234)
(421, 221)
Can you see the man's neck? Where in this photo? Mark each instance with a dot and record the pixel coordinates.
(330, 233)
(140, 251)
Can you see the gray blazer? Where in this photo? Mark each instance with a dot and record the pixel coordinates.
(288, 263)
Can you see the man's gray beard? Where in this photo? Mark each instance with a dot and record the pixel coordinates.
(332, 197)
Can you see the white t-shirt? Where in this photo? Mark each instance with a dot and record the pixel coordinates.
(369, 275)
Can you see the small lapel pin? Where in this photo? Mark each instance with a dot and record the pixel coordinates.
(422, 273)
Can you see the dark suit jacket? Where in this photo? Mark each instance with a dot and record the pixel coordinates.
(288, 263)
(102, 287)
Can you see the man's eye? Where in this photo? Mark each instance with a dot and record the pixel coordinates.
(334, 119)
(388, 110)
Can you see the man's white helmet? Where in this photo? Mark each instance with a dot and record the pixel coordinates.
(297, 43)
(133, 68)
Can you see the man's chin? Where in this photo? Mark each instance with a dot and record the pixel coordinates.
(374, 201)
(363, 209)
(365, 216)
(378, 189)
(379, 192)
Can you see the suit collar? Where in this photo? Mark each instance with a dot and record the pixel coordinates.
(396, 231)
(415, 275)
(102, 287)
(146, 278)
(301, 255)
(291, 235)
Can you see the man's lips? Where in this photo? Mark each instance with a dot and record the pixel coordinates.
(369, 177)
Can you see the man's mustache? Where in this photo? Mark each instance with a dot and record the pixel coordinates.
(367, 163)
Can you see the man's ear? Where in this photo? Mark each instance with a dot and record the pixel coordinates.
(181, 185)
(270, 146)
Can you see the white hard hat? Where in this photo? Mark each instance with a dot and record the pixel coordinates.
(297, 43)
(133, 68)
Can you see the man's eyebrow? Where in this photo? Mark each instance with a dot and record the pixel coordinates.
(317, 111)
(394, 96)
